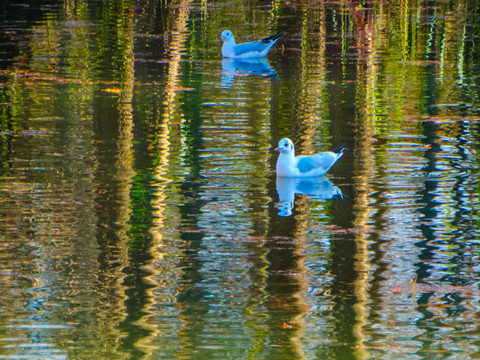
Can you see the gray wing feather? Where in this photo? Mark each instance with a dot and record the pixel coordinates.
(248, 47)
(324, 160)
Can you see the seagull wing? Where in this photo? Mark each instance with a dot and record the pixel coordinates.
(322, 161)
(256, 46)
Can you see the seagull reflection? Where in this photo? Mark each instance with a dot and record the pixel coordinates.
(315, 187)
(244, 67)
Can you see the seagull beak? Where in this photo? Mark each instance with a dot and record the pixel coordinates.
(277, 149)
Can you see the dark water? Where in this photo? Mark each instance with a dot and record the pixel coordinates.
(140, 215)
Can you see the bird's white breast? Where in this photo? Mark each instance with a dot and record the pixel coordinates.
(286, 165)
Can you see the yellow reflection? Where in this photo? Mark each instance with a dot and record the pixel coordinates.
(367, 72)
(162, 151)
(162, 135)
(113, 277)
(313, 77)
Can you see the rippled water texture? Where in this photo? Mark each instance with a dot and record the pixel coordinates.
(140, 213)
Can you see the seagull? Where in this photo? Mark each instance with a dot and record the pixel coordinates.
(289, 165)
(256, 49)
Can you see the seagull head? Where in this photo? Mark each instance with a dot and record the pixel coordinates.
(227, 35)
(285, 146)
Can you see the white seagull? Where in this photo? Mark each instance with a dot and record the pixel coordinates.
(256, 49)
(289, 165)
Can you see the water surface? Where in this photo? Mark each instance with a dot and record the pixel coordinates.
(140, 215)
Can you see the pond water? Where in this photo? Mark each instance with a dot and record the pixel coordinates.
(140, 213)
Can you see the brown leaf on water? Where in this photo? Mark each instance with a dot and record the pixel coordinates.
(287, 326)
(396, 290)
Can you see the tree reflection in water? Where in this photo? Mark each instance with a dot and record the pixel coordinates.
(139, 199)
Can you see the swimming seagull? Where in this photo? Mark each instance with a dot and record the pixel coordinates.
(289, 165)
(256, 49)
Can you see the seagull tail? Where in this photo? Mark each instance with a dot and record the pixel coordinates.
(339, 150)
(272, 38)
